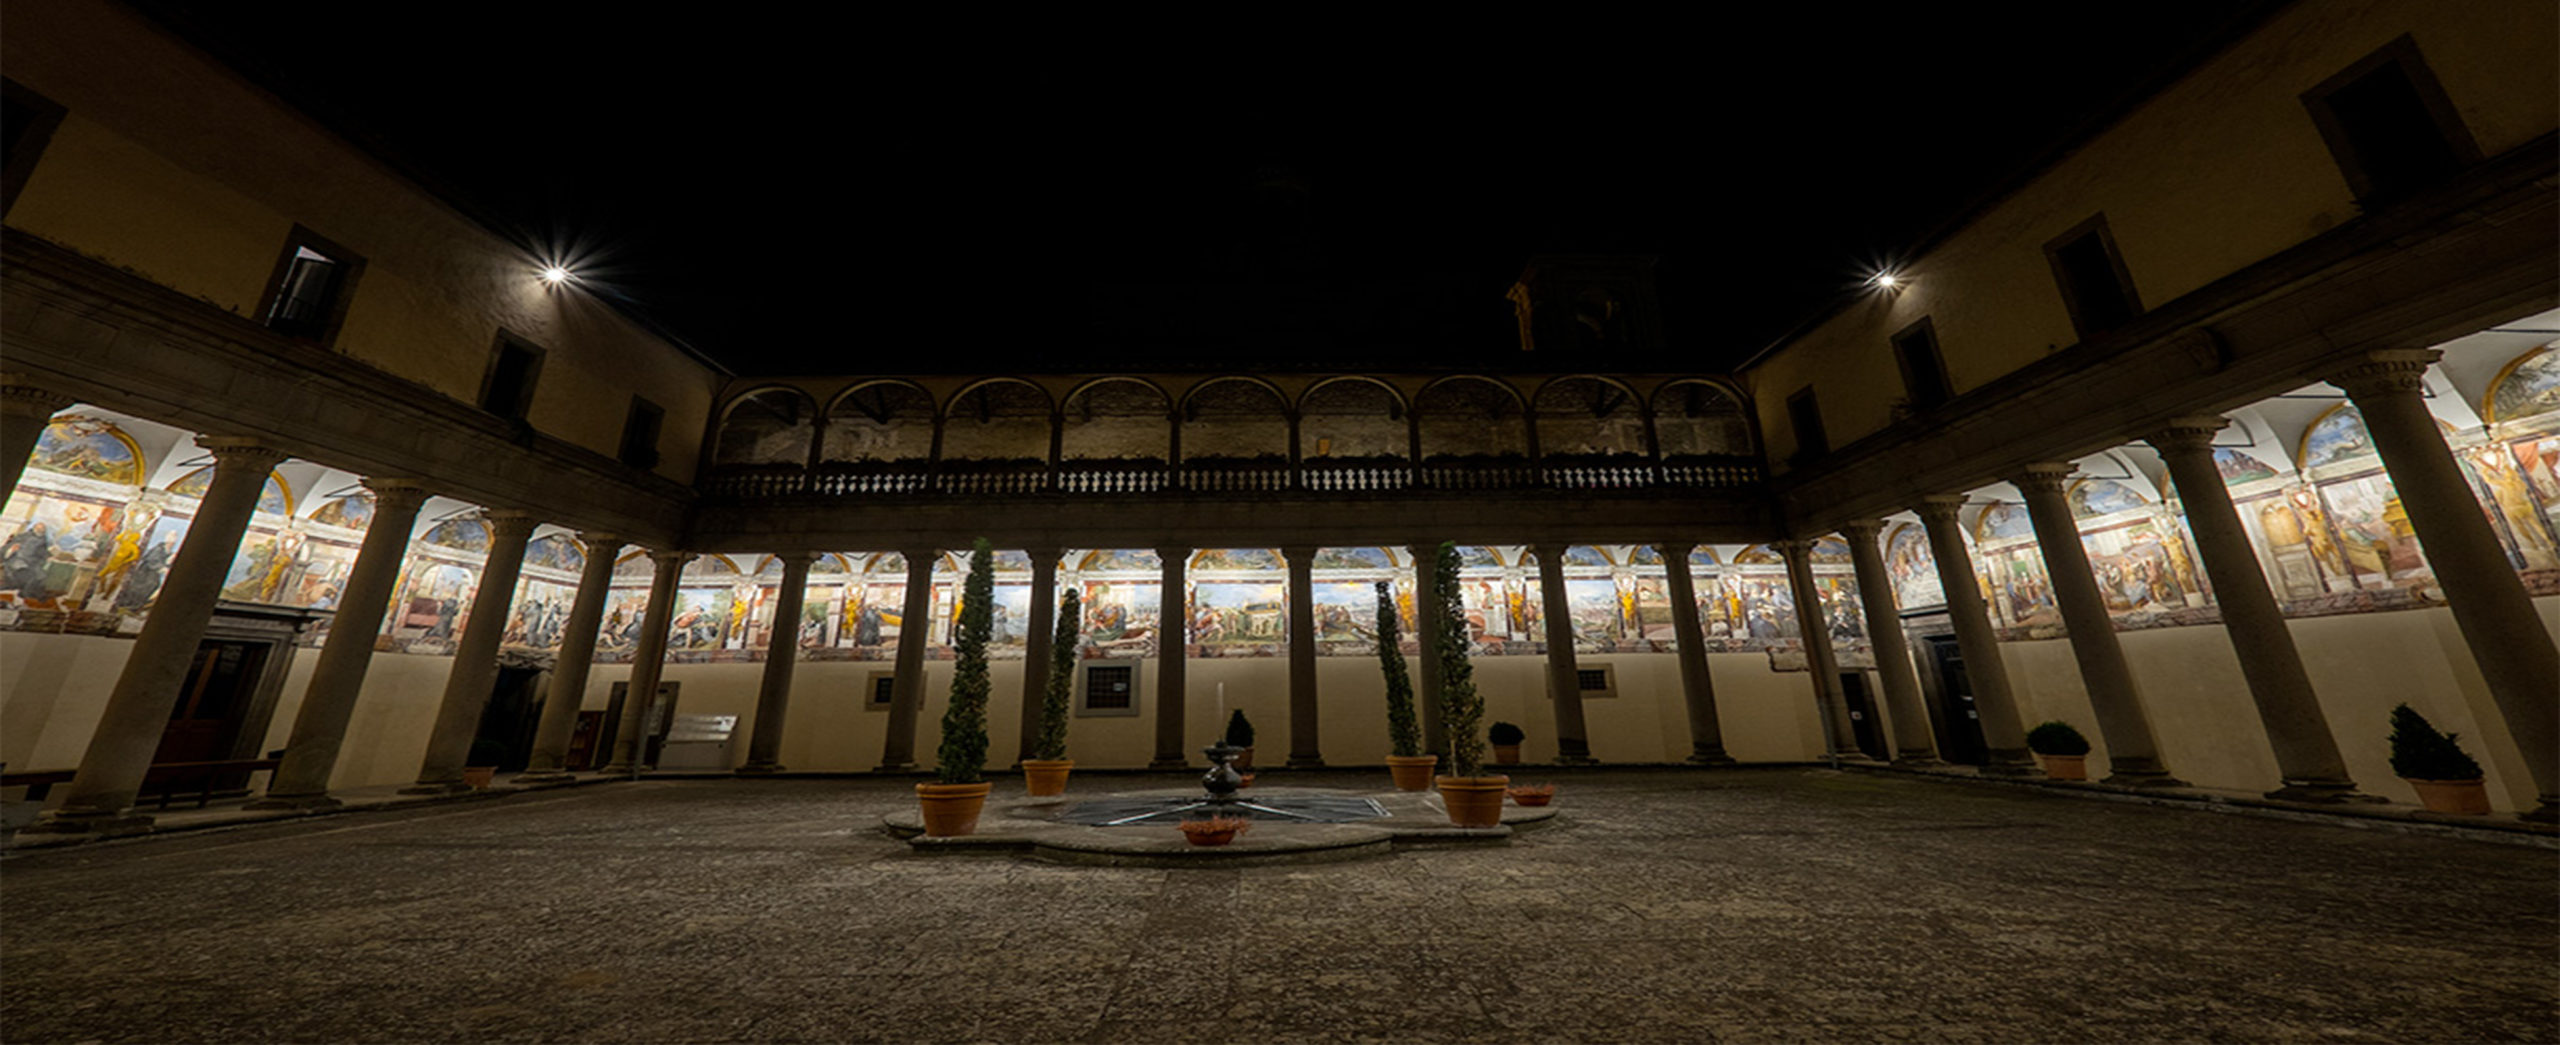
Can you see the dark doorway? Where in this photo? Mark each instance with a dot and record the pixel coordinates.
(1960, 724)
(661, 712)
(507, 724)
(213, 700)
(1862, 715)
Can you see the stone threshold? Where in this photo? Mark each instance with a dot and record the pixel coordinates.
(2494, 828)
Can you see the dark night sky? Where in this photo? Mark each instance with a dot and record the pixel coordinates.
(839, 195)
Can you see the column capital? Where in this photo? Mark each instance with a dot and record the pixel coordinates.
(1549, 549)
(397, 495)
(510, 522)
(241, 452)
(1795, 549)
(2387, 372)
(1048, 553)
(1298, 552)
(1172, 553)
(2042, 477)
(798, 558)
(913, 554)
(601, 543)
(673, 559)
(1939, 507)
(1675, 551)
(20, 399)
(1867, 530)
(2192, 434)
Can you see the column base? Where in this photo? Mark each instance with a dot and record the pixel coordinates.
(1918, 761)
(2143, 778)
(103, 825)
(2015, 765)
(1710, 755)
(1576, 760)
(760, 769)
(1169, 763)
(2546, 812)
(894, 767)
(2322, 791)
(301, 803)
(542, 777)
(619, 769)
(439, 787)
(1306, 762)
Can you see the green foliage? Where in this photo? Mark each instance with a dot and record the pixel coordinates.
(1239, 730)
(1404, 738)
(2057, 738)
(1461, 710)
(963, 756)
(1505, 734)
(1051, 744)
(2418, 752)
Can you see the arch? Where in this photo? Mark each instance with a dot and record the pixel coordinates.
(2335, 435)
(892, 420)
(1234, 418)
(1115, 418)
(998, 419)
(1115, 559)
(2091, 497)
(2002, 520)
(558, 551)
(1255, 559)
(982, 384)
(88, 448)
(275, 499)
(2528, 386)
(353, 511)
(1192, 394)
(1353, 417)
(770, 425)
(1392, 391)
(466, 533)
(1687, 422)
(1587, 415)
(1471, 416)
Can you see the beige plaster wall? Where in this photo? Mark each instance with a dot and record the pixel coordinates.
(53, 690)
(170, 166)
(2222, 169)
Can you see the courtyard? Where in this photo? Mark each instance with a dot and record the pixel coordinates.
(1755, 905)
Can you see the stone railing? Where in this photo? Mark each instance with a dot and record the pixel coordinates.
(1109, 478)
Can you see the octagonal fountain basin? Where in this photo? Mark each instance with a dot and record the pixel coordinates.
(1137, 828)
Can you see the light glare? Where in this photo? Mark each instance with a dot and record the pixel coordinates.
(555, 274)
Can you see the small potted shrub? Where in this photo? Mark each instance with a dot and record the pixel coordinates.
(1472, 796)
(1217, 830)
(2447, 779)
(1405, 762)
(1044, 774)
(1506, 740)
(1533, 794)
(951, 802)
(1240, 735)
(2064, 752)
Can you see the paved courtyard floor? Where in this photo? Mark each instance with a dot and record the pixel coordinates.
(1753, 905)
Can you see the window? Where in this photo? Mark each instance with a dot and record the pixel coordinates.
(882, 691)
(1924, 372)
(1109, 688)
(314, 278)
(27, 120)
(2095, 286)
(1597, 680)
(640, 433)
(507, 389)
(2389, 124)
(1806, 417)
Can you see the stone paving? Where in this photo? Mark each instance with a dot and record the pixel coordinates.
(1672, 906)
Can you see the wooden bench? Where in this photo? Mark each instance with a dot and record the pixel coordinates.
(165, 778)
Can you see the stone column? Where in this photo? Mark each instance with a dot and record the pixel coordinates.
(2004, 737)
(475, 658)
(1304, 751)
(2489, 601)
(550, 760)
(2132, 754)
(1564, 676)
(301, 781)
(2306, 753)
(1426, 628)
(1173, 633)
(1912, 742)
(648, 664)
(1697, 685)
(24, 411)
(1037, 643)
(1828, 697)
(100, 797)
(906, 686)
(781, 654)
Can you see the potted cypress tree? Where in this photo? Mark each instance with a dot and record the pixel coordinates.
(1506, 740)
(1472, 798)
(959, 789)
(2447, 779)
(1240, 735)
(1045, 773)
(2064, 752)
(1405, 761)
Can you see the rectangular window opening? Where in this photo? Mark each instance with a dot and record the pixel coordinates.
(1108, 689)
(1806, 417)
(2389, 125)
(882, 691)
(1924, 371)
(507, 391)
(640, 433)
(2096, 287)
(27, 122)
(314, 279)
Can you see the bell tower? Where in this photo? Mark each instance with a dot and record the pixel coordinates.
(1595, 303)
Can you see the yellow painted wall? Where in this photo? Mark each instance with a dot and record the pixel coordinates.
(170, 166)
(2221, 170)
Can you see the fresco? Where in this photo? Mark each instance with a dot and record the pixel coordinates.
(2104, 497)
(1651, 620)
(873, 615)
(2238, 467)
(1914, 572)
(1828, 551)
(702, 617)
(623, 611)
(556, 552)
(820, 615)
(268, 568)
(1011, 620)
(1237, 559)
(1352, 559)
(540, 614)
(2338, 435)
(1120, 618)
(1131, 559)
(1227, 613)
(888, 563)
(1347, 611)
(2530, 387)
(433, 604)
(353, 511)
(2500, 480)
(1500, 611)
(1750, 606)
(1013, 562)
(1586, 555)
(2142, 570)
(2372, 532)
(1471, 556)
(2002, 521)
(1759, 555)
(274, 499)
(1595, 611)
(470, 535)
(87, 448)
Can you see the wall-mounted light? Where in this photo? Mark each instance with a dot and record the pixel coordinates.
(1887, 281)
(556, 275)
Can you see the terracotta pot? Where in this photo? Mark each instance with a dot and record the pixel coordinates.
(2459, 797)
(1534, 796)
(2065, 767)
(1043, 777)
(951, 810)
(1215, 831)
(1506, 754)
(1474, 801)
(1243, 760)
(478, 777)
(1412, 772)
